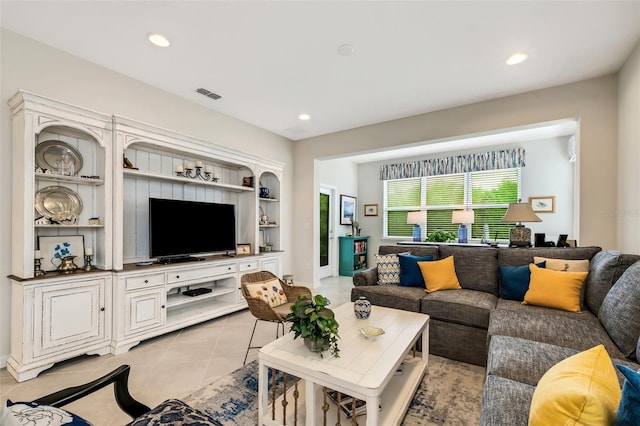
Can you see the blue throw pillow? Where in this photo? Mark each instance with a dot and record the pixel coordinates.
(410, 274)
(629, 408)
(21, 413)
(515, 281)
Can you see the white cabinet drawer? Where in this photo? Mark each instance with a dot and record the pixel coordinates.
(143, 281)
(248, 265)
(185, 275)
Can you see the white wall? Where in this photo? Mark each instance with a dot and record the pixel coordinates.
(593, 102)
(35, 67)
(628, 211)
(547, 172)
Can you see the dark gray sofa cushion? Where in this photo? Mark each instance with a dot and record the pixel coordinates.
(620, 311)
(390, 296)
(414, 250)
(602, 269)
(467, 307)
(624, 261)
(476, 267)
(523, 360)
(526, 361)
(505, 402)
(577, 330)
(522, 256)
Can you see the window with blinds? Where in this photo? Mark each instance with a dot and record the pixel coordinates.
(488, 193)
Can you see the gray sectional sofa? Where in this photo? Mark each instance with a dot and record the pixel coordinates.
(517, 343)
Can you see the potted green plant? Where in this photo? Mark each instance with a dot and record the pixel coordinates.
(315, 323)
(440, 236)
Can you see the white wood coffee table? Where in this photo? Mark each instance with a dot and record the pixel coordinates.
(365, 370)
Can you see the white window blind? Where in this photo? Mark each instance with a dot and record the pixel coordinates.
(488, 193)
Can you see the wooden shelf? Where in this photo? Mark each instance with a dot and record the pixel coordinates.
(174, 300)
(273, 200)
(186, 181)
(69, 226)
(69, 179)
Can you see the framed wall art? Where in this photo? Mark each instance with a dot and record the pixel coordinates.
(371, 210)
(348, 207)
(244, 248)
(543, 204)
(53, 249)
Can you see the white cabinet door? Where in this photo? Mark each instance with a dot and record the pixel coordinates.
(271, 264)
(69, 315)
(145, 310)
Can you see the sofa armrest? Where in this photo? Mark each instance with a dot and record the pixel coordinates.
(366, 277)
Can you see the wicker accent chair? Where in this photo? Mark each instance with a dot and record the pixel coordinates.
(261, 309)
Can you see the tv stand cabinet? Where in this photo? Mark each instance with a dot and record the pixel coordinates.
(148, 301)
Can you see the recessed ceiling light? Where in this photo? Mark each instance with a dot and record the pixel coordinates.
(516, 58)
(159, 40)
(346, 50)
(304, 117)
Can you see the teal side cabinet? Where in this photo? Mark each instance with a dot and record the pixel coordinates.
(353, 254)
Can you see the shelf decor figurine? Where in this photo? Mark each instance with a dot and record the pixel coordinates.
(315, 323)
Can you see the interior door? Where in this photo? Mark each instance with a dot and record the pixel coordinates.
(326, 232)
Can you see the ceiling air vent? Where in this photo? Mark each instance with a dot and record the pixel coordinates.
(208, 94)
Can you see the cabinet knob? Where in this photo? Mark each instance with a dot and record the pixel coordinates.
(146, 281)
(102, 309)
(177, 276)
(162, 306)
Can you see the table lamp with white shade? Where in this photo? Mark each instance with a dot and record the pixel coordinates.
(416, 219)
(519, 235)
(462, 217)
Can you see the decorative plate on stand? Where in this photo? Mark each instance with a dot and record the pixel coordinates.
(50, 153)
(59, 204)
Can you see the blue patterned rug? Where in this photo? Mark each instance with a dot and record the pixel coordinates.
(449, 394)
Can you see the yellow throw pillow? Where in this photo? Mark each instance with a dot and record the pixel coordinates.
(270, 291)
(554, 289)
(565, 265)
(439, 274)
(580, 390)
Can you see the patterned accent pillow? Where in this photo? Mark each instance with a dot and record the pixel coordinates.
(270, 291)
(174, 412)
(30, 413)
(388, 269)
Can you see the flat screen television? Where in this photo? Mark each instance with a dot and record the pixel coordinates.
(179, 229)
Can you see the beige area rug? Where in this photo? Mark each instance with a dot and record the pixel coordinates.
(448, 395)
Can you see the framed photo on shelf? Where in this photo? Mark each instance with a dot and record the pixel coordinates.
(244, 248)
(348, 206)
(543, 204)
(53, 249)
(371, 210)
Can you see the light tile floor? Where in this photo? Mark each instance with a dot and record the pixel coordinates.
(169, 366)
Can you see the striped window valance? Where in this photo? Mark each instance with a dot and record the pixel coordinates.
(481, 161)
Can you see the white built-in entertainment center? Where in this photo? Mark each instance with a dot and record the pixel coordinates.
(85, 178)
